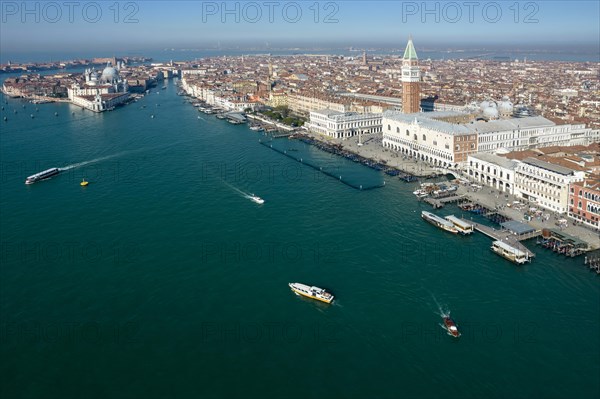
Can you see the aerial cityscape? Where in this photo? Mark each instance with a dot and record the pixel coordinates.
(279, 199)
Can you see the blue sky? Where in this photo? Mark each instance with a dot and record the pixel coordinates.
(146, 25)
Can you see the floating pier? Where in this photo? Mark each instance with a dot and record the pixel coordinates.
(440, 202)
(507, 236)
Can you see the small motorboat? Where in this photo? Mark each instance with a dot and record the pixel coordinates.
(450, 326)
(84, 183)
(257, 199)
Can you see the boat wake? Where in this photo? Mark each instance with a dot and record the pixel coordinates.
(119, 154)
(80, 164)
(243, 194)
(444, 313)
(237, 190)
(441, 311)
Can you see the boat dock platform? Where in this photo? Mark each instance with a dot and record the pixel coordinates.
(440, 202)
(506, 236)
(280, 135)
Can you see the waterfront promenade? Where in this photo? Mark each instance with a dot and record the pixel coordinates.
(372, 149)
(493, 200)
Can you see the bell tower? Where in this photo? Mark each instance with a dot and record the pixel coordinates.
(411, 76)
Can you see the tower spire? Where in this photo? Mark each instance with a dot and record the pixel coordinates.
(411, 77)
(410, 53)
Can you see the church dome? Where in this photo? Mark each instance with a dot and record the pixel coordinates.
(109, 74)
(490, 112)
(505, 106)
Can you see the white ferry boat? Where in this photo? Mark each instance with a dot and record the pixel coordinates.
(420, 193)
(46, 174)
(257, 199)
(508, 252)
(320, 294)
(439, 222)
(462, 226)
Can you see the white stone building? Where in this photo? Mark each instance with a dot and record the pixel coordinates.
(99, 93)
(545, 183)
(342, 125)
(424, 136)
(305, 104)
(100, 102)
(518, 134)
(446, 138)
(492, 170)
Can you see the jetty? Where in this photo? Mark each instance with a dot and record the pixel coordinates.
(512, 233)
(441, 202)
(277, 126)
(280, 135)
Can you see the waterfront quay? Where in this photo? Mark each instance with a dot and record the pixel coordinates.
(491, 199)
(372, 149)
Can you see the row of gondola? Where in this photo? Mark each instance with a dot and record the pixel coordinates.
(336, 149)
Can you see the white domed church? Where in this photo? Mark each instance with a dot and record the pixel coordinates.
(100, 93)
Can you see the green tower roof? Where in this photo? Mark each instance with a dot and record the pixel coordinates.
(410, 53)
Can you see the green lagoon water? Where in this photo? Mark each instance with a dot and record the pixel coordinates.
(161, 279)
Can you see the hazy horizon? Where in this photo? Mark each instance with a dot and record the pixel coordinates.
(121, 27)
(579, 53)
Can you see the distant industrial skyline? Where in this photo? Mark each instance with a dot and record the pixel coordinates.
(142, 26)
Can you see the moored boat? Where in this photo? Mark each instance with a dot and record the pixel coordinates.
(319, 294)
(439, 222)
(510, 253)
(420, 193)
(46, 174)
(462, 226)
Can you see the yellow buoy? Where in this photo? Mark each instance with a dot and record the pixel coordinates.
(83, 183)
